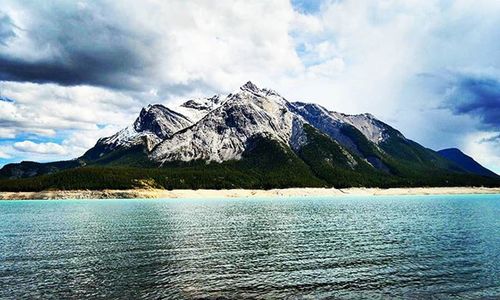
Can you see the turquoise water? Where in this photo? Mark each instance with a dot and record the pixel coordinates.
(350, 247)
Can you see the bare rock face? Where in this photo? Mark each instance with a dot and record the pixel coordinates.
(218, 128)
(160, 121)
(331, 122)
(223, 133)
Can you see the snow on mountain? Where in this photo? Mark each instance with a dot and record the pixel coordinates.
(155, 123)
(218, 128)
(195, 109)
(126, 137)
(222, 134)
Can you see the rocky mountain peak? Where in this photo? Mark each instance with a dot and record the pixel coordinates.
(154, 123)
(222, 134)
(217, 128)
(250, 87)
(254, 89)
(250, 93)
(159, 119)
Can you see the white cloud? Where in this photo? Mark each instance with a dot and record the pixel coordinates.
(75, 144)
(80, 141)
(305, 24)
(385, 47)
(170, 46)
(483, 147)
(7, 133)
(40, 148)
(329, 68)
(4, 155)
(43, 109)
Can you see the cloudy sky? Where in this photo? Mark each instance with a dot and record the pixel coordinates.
(73, 71)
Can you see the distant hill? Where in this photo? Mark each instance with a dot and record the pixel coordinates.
(465, 161)
(252, 138)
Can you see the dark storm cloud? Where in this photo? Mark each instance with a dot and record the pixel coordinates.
(478, 96)
(78, 46)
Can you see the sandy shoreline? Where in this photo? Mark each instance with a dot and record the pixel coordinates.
(240, 193)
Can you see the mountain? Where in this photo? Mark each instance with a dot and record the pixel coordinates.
(465, 161)
(252, 138)
(155, 124)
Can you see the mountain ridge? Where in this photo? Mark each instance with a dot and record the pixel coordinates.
(465, 161)
(326, 148)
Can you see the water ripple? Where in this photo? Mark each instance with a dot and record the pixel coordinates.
(379, 247)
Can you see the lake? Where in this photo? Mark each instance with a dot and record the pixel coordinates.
(343, 247)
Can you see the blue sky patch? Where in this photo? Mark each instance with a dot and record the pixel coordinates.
(307, 6)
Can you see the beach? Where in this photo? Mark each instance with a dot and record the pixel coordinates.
(240, 193)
